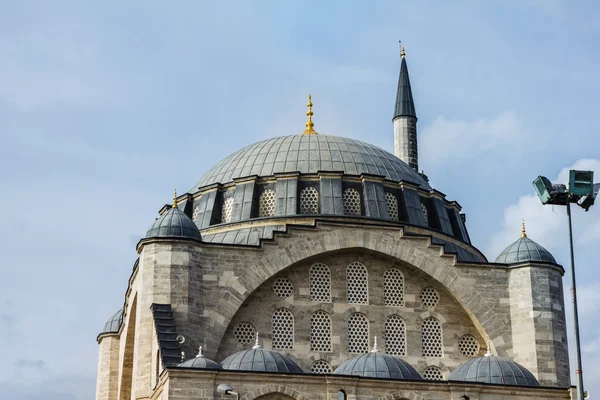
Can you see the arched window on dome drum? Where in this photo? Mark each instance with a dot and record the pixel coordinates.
(351, 202)
(357, 284)
(309, 201)
(320, 283)
(433, 374)
(227, 210)
(431, 337)
(395, 336)
(358, 334)
(282, 328)
(320, 331)
(392, 206)
(425, 213)
(393, 288)
(266, 203)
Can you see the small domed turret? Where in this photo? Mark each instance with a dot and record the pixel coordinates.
(200, 362)
(114, 322)
(174, 223)
(524, 250)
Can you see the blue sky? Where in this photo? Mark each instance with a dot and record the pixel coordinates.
(105, 107)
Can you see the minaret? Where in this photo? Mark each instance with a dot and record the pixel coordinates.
(405, 120)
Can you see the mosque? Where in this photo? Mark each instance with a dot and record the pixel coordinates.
(318, 267)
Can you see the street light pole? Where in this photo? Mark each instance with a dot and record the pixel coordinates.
(579, 370)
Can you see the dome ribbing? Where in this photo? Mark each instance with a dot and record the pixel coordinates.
(378, 365)
(496, 370)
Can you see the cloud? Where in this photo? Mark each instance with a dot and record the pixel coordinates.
(457, 140)
(36, 364)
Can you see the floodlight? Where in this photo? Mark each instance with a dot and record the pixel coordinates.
(581, 183)
(224, 389)
(550, 193)
(587, 201)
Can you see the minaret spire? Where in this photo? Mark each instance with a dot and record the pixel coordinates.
(523, 233)
(405, 118)
(175, 199)
(309, 124)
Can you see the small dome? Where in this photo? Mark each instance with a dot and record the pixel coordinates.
(496, 370)
(114, 323)
(259, 359)
(378, 365)
(524, 250)
(174, 223)
(200, 362)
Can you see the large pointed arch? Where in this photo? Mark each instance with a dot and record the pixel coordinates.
(126, 381)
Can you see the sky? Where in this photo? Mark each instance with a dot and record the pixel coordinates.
(105, 107)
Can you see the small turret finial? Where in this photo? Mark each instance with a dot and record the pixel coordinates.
(175, 199)
(199, 352)
(182, 356)
(523, 233)
(402, 52)
(309, 124)
(489, 349)
(256, 344)
(375, 349)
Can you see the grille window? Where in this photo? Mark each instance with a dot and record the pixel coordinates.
(195, 213)
(283, 287)
(266, 203)
(392, 206)
(227, 210)
(433, 374)
(244, 332)
(395, 336)
(393, 288)
(283, 329)
(358, 334)
(468, 346)
(320, 331)
(431, 337)
(321, 367)
(320, 283)
(351, 201)
(425, 213)
(429, 297)
(357, 290)
(309, 201)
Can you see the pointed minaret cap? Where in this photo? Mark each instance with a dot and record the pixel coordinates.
(523, 233)
(175, 199)
(375, 348)
(402, 52)
(405, 106)
(256, 344)
(489, 349)
(309, 124)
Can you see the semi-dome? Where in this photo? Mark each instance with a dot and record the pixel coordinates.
(523, 250)
(114, 322)
(200, 362)
(378, 365)
(174, 223)
(496, 370)
(310, 154)
(259, 359)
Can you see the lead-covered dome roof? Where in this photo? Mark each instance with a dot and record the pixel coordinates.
(174, 223)
(523, 250)
(496, 370)
(200, 362)
(114, 322)
(378, 365)
(310, 154)
(259, 359)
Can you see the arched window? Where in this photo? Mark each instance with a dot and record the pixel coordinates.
(283, 287)
(392, 206)
(395, 336)
(195, 213)
(425, 213)
(282, 326)
(357, 284)
(321, 367)
(342, 395)
(431, 337)
(433, 374)
(358, 333)
(320, 331)
(227, 210)
(320, 283)
(351, 201)
(393, 287)
(429, 297)
(309, 201)
(468, 346)
(244, 332)
(266, 203)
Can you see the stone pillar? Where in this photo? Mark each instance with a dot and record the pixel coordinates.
(107, 383)
(538, 323)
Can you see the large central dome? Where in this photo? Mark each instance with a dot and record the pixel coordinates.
(309, 154)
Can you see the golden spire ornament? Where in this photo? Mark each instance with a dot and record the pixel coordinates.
(309, 124)
(523, 233)
(175, 199)
(402, 52)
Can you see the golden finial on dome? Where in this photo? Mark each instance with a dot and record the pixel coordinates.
(309, 124)
(402, 52)
(523, 233)
(175, 199)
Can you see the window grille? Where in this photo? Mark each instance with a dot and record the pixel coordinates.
(321, 367)
(244, 332)
(195, 213)
(309, 201)
(320, 283)
(429, 297)
(357, 290)
(358, 334)
(227, 210)
(468, 346)
(431, 337)
(283, 287)
(395, 336)
(283, 329)
(266, 203)
(425, 213)
(393, 288)
(433, 374)
(392, 206)
(351, 201)
(320, 331)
